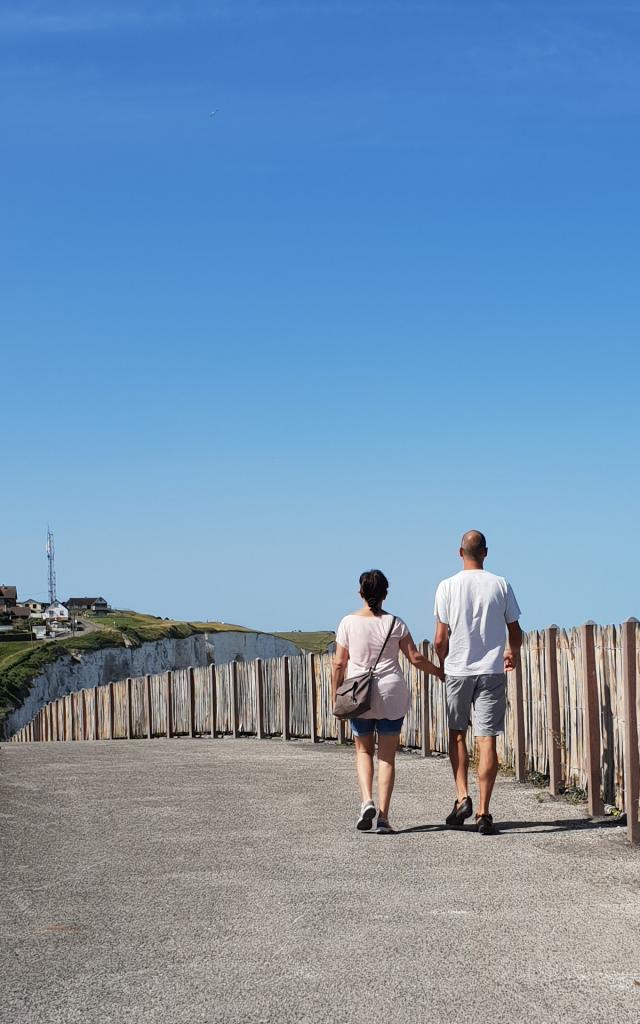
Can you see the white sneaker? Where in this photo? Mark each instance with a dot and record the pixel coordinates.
(367, 814)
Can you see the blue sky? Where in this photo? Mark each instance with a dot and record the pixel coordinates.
(388, 293)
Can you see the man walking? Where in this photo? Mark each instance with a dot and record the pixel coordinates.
(474, 612)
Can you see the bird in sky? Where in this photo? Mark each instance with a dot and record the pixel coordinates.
(213, 112)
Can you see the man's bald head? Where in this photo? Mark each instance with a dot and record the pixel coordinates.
(473, 546)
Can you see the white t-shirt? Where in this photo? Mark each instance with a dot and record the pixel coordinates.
(363, 636)
(475, 605)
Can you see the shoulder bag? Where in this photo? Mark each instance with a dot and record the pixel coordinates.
(353, 696)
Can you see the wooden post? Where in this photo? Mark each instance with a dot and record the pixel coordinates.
(127, 708)
(191, 699)
(313, 698)
(285, 700)
(213, 700)
(96, 720)
(519, 748)
(83, 698)
(553, 709)
(425, 725)
(72, 715)
(50, 713)
(591, 720)
(167, 703)
(111, 713)
(260, 699)
(147, 704)
(235, 724)
(631, 753)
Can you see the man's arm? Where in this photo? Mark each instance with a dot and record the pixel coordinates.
(515, 643)
(441, 641)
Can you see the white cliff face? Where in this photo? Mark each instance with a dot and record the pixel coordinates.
(69, 674)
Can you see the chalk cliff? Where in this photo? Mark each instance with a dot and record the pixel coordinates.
(76, 672)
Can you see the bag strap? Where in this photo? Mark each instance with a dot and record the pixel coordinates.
(393, 622)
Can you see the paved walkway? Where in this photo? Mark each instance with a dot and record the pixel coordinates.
(221, 880)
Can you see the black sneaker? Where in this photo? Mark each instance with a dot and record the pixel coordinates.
(484, 825)
(383, 827)
(462, 809)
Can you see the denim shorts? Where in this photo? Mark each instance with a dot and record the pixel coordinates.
(385, 726)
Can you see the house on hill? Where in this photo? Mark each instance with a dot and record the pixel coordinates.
(8, 599)
(56, 612)
(19, 614)
(87, 604)
(36, 608)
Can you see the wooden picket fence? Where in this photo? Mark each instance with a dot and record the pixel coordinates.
(572, 709)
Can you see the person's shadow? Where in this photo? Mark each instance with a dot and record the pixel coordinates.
(532, 827)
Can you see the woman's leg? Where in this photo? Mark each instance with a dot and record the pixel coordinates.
(387, 746)
(365, 746)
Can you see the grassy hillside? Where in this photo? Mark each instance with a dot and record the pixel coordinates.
(317, 642)
(21, 661)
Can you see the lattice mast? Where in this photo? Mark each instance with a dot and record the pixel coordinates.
(52, 568)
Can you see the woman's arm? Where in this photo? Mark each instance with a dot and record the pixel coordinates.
(340, 659)
(411, 652)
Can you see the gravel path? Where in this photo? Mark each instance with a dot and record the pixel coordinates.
(221, 880)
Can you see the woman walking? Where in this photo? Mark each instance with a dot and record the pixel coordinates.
(361, 638)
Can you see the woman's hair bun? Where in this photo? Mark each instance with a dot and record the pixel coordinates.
(374, 587)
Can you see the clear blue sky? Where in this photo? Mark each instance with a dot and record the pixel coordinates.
(388, 293)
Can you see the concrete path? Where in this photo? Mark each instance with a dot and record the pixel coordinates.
(221, 880)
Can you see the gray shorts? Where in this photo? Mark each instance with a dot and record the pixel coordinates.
(488, 697)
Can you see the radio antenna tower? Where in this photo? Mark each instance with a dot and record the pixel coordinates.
(51, 552)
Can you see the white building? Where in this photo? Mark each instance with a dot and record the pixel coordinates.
(56, 612)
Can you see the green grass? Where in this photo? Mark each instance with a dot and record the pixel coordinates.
(9, 650)
(144, 628)
(21, 661)
(317, 642)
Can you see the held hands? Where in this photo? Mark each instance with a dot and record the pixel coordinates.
(509, 661)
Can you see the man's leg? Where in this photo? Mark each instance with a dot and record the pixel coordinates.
(459, 692)
(490, 708)
(487, 770)
(459, 757)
